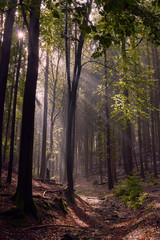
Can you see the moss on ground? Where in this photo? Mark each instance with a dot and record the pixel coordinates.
(59, 203)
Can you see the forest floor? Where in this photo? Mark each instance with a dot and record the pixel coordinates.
(97, 214)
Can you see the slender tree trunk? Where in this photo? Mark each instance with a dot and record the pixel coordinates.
(8, 119)
(23, 193)
(110, 177)
(44, 138)
(140, 147)
(91, 146)
(1, 30)
(53, 116)
(9, 177)
(152, 121)
(124, 151)
(153, 138)
(4, 63)
(146, 144)
(157, 97)
(128, 129)
(86, 143)
(39, 153)
(72, 96)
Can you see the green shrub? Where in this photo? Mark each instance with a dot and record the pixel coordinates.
(131, 192)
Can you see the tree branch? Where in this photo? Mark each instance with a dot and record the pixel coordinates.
(24, 14)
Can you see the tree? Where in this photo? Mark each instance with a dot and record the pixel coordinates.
(72, 93)
(44, 136)
(110, 178)
(23, 193)
(128, 129)
(4, 63)
(9, 177)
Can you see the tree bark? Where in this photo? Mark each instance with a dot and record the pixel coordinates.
(44, 136)
(23, 193)
(8, 118)
(4, 63)
(140, 147)
(72, 96)
(110, 177)
(9, 177)
(128, 129)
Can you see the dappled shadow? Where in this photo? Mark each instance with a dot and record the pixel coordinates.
(81, 213)
(85, 204)
(148, 227)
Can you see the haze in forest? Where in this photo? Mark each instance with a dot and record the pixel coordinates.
(79, 92)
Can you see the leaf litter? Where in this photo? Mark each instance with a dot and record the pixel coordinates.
(95, 216)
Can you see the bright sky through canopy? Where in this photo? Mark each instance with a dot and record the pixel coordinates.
(21, 34)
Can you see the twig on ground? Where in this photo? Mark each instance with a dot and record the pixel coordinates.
(48, 225)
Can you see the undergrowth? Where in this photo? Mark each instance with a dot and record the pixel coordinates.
(131, 192)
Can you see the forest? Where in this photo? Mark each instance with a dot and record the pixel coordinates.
(80, 118)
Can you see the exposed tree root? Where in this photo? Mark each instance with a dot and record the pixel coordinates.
(54, 191)
(48, 225)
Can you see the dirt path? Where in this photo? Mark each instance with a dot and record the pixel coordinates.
(98, 214)
(118, 221)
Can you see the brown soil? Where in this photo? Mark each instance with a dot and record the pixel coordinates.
(97, 215)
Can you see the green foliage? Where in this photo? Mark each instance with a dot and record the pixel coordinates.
(51, 26)
(127, 18)
(135, 77)
(131, 192)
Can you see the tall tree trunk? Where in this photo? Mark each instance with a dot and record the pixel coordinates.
(1, 29)
(23, 193)
(72, 96)
(153, 137)
(44, 135)
(9, 177)
(4, 63)
(152, 99)
(53, 116)
(124, 151)
(39, 153)
(128, 129)
(110, 177)
(146, 141)
(86, 162)
(140, 147)
(8, 119)
(157, 97)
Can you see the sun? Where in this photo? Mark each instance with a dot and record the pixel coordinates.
(21, 34)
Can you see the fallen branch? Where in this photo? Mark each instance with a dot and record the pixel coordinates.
(53, 191)
(47, 225)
